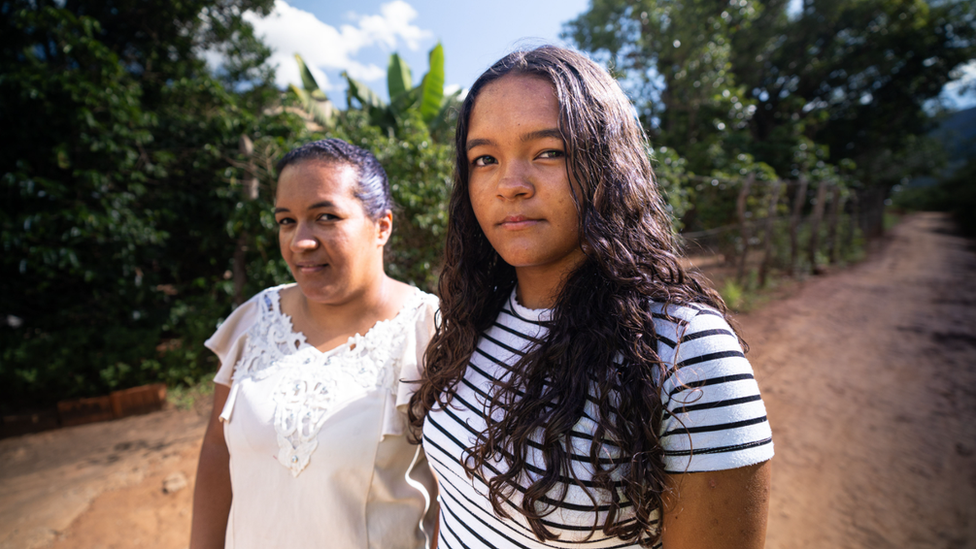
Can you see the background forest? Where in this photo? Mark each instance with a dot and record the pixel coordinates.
(137, 182)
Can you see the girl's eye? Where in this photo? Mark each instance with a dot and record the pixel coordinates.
(552, 154)
(484, 160)
(328, 217)
(285, 221)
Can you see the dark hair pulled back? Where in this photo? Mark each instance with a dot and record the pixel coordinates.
(372, 189)
(601, 314)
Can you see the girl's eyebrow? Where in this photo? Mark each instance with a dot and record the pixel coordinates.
(530, 136)
(472, 143)
(542, 134)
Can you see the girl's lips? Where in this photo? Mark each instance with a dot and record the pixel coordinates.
(516, 222)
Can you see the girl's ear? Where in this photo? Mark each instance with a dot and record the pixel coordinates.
(384, 228)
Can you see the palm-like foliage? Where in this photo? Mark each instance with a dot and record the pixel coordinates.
(427, 98)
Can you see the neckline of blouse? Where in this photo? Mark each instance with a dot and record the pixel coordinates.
(532, 315)
(351, 344)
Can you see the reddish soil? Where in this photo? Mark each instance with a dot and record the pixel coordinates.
(869, 377)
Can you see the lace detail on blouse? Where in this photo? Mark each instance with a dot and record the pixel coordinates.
(312, 383)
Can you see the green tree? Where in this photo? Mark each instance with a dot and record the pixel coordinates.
(856, 75)
(675, 59)
(851, 75)
(118, 188)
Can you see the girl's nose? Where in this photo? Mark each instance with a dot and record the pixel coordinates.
(515, 182)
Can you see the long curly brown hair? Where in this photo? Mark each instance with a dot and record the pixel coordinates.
(601, 343)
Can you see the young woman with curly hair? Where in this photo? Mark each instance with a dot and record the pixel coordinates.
(582, 389)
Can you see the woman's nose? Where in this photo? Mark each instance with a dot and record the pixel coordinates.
(514, 181)
(303, 239)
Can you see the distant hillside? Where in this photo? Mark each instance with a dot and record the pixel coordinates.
(957, 132)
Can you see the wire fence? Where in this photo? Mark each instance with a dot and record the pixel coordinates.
(791, 226)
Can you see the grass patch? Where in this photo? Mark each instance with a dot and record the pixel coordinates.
(748, 296)
(733, 294)
(185, 397)
(891, 218)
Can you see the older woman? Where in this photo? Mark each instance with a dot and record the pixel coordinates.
(306, 446)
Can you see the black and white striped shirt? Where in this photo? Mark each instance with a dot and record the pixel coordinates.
(714, 420)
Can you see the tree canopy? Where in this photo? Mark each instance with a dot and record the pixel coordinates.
(714, 78)
(116, 187)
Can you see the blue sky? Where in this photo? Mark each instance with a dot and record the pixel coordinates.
(333, 36)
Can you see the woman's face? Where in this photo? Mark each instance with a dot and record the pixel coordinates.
(334, 250)
(518, 183)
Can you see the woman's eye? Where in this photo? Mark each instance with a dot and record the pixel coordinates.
(328, 217)
(552, 154)
(484, 160)
(285, 221)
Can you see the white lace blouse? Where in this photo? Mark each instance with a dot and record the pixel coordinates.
(318, 450)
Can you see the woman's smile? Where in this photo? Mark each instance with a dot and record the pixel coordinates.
(308, 268)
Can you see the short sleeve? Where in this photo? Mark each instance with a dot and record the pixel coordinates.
(714, 416)
(419, 329)
(413, 353)
(228, 341)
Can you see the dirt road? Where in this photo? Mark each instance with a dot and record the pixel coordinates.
(869, 377)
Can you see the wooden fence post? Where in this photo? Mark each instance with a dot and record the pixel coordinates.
(818, 211)
(836, 203)
(798, 201)
(740, 208)
(768, 240)
(852, 222)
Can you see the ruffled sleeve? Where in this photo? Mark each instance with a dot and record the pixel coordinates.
(419, 331)
(228, 341)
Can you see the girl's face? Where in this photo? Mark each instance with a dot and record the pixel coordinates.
(518, 182)
(334, 250)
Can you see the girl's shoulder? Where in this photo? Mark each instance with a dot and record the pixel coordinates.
(683, 314)
(675, 324)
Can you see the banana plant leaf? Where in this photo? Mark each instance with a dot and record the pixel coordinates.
(361, 93)
(433, 86)
(398, 77)
(449, 102)
(321, 110)
(308, 81)
(405, 101)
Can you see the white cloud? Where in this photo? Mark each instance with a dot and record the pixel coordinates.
(288, 30)
(964, 75)
(392, 23)
(960, 93)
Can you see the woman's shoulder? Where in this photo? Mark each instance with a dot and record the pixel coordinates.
(246, 315)
(227, 342)
(420, 309)
(428, 303)
(415, 301)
